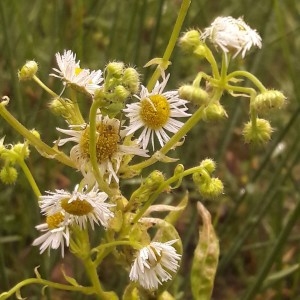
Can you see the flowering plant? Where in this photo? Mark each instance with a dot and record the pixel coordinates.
(129, 128)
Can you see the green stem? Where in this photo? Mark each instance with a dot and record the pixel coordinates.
(172, 42)
(92, 149)
(29, 178)
(42, 85)
(162, 187)
(250, 76)
(79, 119)
(17, 287)
(41, 147)
(214, 66)
(93, 275)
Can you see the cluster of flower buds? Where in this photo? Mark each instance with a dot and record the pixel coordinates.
(208, 187)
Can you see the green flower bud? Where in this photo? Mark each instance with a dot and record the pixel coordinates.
(28, 70)
(196, 95)
(35, 133)
(190, 40)
(21, 149)
(211, 189)
(121, 93)
(8, 175)
(131, 80)
(115, 69)
(209, 165)
(265, 101)
(62, 107)
(200, 51)
(214, 111)
(259, 133)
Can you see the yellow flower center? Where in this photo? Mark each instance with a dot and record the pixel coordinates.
(77, 207)
(77, 71)
(155, 111)
(54, 220)
(106, 144)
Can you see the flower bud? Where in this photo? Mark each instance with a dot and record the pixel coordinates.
(121, 93)
(211, 189)
(28, 70)
(8, 175)
(62, 107)
(259, 133)
(200, 51)
(190, 40)
(35, 133)
(196, 95)
(21, 149)
(115, 69)
(131, 80)
(265, 101)
(209, 165)
(214, 111)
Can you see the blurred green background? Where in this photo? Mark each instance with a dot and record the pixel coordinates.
(257, 219)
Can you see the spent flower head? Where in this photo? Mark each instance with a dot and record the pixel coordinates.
(232, 36)
(153, 263)
(155, 112)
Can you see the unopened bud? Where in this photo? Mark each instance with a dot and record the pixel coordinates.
(214, 111)
(196, 95)
(211, 189)
(265, 101)
(21, 149)
(259, 133)
(115, 69)
(131, 80)
(121, 93)
(28, 70)
(8, 175)
(209, 165)
(62, 107)
(190, 40)
(35, 133)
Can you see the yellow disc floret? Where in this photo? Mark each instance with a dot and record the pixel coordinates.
(106, 144)
(155, 111)
(77, 207)
(53, 221)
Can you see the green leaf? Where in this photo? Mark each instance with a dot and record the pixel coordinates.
(206, 257)
(69, 279)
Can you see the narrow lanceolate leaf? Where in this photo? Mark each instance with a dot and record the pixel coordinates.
(206, 257)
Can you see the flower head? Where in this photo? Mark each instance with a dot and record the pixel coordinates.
(155, 112)
(152, 264)
(69, 72)
(79, 206)
(232, 35)
(109, 146)
(56, 235)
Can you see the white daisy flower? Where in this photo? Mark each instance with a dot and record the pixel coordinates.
(155, 112)
(69, 72)
(151, 266)
(56, 235)
(232, 35)
(110, 150)
(81, 207)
